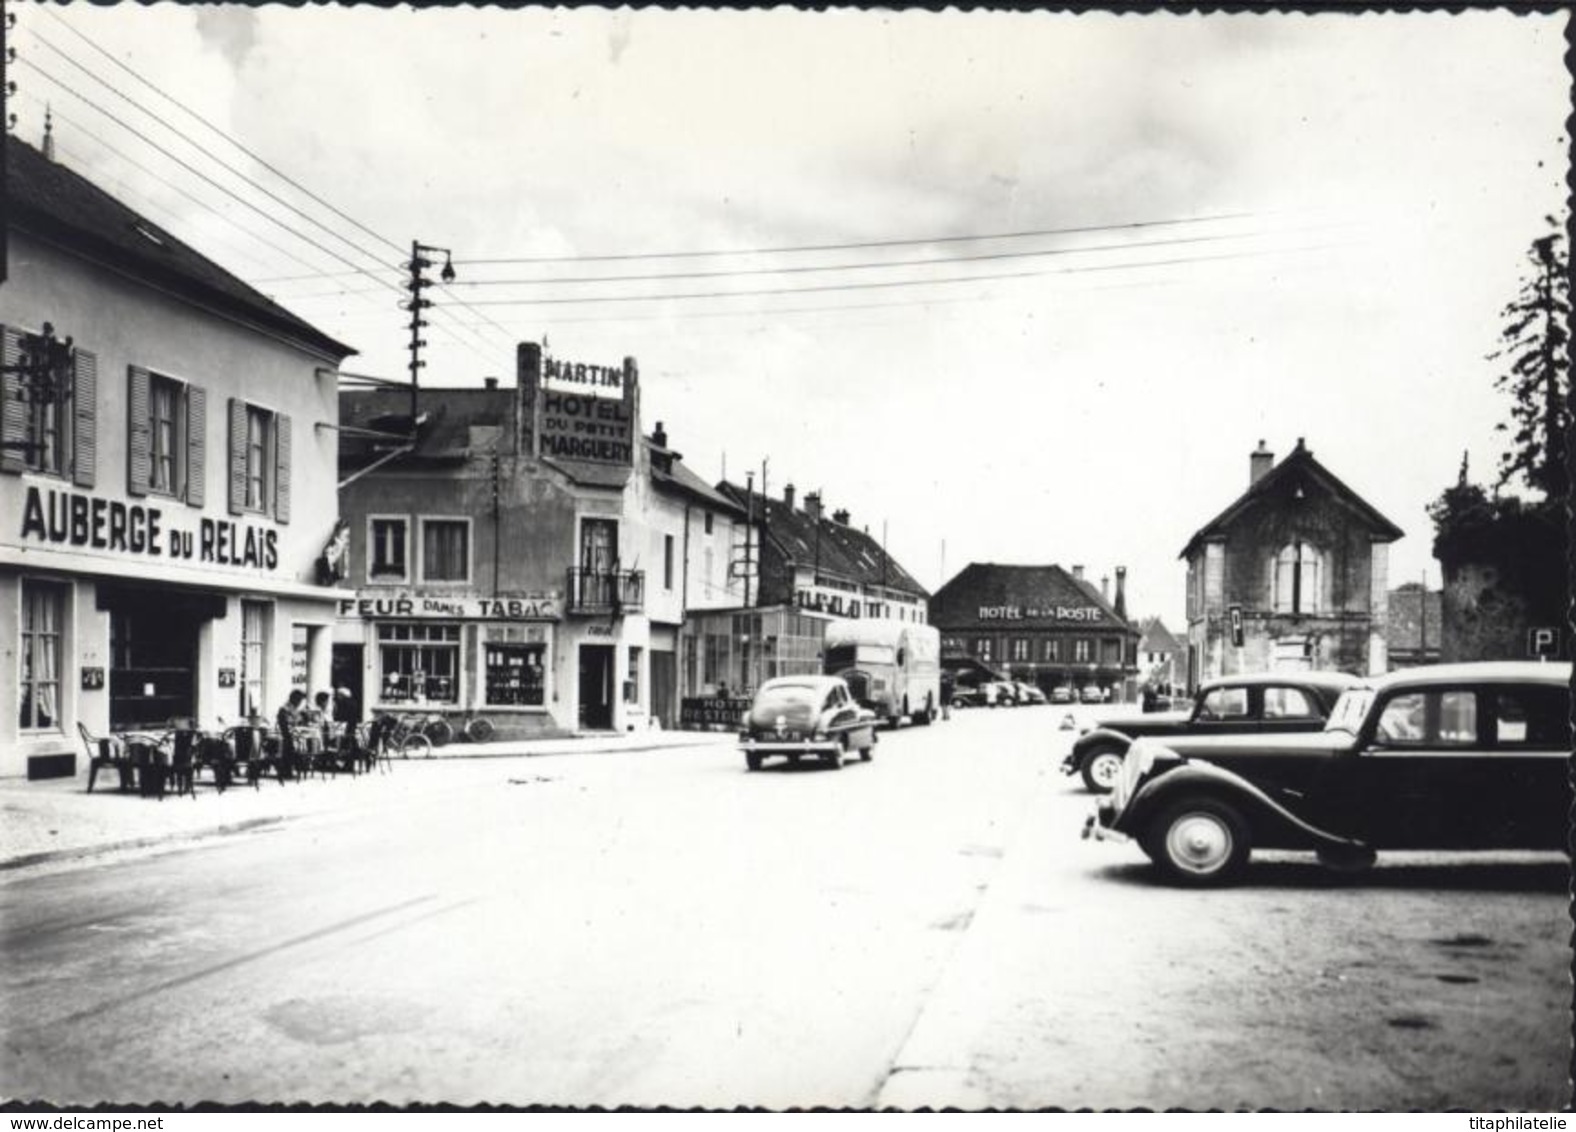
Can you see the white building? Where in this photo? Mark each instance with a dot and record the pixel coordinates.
(164, 494)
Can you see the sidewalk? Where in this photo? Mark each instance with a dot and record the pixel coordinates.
(57, 820)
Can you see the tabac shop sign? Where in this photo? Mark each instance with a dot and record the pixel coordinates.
(1036, 613)
(377, 607)
(84, 521)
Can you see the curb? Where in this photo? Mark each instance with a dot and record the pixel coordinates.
(28, 860)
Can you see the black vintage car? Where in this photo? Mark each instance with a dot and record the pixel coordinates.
(796, 717)
(1231, 705)
(1465, 756)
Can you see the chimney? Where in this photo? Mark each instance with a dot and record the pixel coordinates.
(489, 383)
(1078, 573)
(1121, 593)
(660, 436)
(1105, 588)
(1259, 462)
(812, 505)
(840, 517)
(788, 497)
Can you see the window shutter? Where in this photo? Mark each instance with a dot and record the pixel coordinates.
(84, 408)
(13, 410)
(137, 465)
(281, 467)
(196, 445)
(237, 455)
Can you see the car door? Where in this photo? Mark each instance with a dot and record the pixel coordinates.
(1526, 791)
(1418, 778)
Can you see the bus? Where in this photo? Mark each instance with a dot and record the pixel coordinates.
(891, 667)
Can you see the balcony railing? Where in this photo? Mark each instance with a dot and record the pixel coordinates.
(606, 591)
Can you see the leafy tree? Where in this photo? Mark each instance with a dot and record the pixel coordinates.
(1535, 345)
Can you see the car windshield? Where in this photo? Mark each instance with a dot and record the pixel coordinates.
(844, 656)
(1349, 710)
(780, 696)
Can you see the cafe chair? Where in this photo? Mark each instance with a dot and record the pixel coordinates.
(183, 760)
(105, 751)
(246, 741)
(147, 759)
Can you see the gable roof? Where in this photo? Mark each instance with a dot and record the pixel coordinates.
(1299, 463)
(833, 547)
(445, 434)
(679, 479)
(54, 203)
(1155, 637)
(1037, 597)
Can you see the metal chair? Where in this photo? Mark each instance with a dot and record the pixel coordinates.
(105, 750)
(183, 760)
(246, 741)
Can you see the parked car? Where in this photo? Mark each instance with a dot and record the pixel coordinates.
(1005, 692)
(1271, 701)
(1462, 756)
(1062, 694)
(1029, 694)
(798, 716)
(1091, 695)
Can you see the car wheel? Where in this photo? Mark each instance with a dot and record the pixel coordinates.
(1100, 769)
(1347, 858)
(752, 760)
(1198, 841)
(835, 759)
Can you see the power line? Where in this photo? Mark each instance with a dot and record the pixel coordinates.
(889, 283)
(214, 157)
(1127, 225)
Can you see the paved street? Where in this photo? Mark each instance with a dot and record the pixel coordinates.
(661, 927)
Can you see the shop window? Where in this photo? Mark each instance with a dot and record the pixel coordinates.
(715, 658)
(1297, 579)
(445, 550)
(254, 621)
(419, 663)
(514, 672)
(388, 541)
(41, 661)
(632, 681)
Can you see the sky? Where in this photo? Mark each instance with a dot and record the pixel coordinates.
(1008, 287)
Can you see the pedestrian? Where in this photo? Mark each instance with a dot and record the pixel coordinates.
(948, 686)
(286, 721)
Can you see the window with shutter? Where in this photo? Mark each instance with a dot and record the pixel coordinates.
(237, 456)
(13, 410)
(196, 444)
(137, 464)
(281, 430)
(84, 394)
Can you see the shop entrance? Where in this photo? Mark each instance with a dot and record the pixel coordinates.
(345, 671)
(596, 687)
(153, 662)
(664, 688)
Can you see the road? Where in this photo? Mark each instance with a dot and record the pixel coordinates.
(663, 928)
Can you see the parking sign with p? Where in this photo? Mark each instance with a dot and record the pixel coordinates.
(1543, 642)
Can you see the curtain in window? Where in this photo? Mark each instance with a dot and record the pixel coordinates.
(443, 552)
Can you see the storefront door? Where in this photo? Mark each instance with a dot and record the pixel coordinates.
(346, 671)
(153, 661)
(596, 687)
(664, 688)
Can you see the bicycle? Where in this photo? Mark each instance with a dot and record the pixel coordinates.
(406, 735)
(478, 729)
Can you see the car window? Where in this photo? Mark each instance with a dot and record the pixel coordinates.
(831, 700)
(1532, 717)
(1224, 703)
(1402, 719)
(1435, 718)
(1288, 703)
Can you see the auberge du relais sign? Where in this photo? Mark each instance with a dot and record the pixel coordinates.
(81, 520)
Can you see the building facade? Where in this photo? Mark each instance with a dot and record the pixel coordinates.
(160, 478)
(527, 557)
(1040, 624)
(1292, 574)
(1414, 634)
(1162, 659)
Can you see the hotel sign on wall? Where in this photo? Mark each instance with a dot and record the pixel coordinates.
(579, 410)
(1071, 613)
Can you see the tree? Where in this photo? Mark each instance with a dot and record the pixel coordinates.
(1535, 349)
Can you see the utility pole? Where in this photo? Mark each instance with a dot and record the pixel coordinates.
(7, 123)
(416, 284)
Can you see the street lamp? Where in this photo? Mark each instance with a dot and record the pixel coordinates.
(416, 304)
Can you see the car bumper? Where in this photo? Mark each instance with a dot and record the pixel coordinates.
(789, 746)
(1099, 825)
